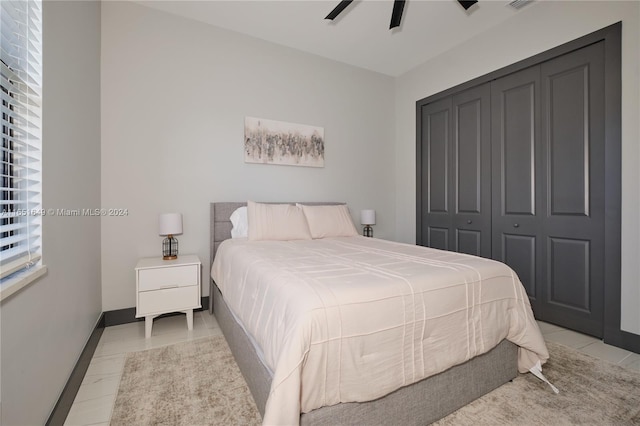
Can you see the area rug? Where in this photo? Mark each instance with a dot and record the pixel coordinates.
(592, 392)
(198, 383)
(186, 384)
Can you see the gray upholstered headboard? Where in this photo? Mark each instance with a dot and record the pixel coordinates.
(220, 226)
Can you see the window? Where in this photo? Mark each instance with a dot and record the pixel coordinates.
(20, 178)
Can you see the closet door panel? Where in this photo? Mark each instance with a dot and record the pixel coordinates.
(519, 251)
(569, 274)
(518, 131)
(516, 181)
(468, 148)
(437, 237)
(438, 156)
(573, 105)
(434, 176)
(568, 142)
(469, 242)
(472, 171)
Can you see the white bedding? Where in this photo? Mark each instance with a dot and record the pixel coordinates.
(354, 318)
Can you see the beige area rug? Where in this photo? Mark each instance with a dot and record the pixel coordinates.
(198, 383)
(191, 383)
(592, 392)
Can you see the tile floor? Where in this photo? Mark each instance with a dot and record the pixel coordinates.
(95, 398)
(93, 404)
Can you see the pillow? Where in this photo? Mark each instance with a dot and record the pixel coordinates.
(240, 223)
(279, 222)
(329, 221)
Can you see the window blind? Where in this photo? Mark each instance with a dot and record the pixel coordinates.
(21, 168)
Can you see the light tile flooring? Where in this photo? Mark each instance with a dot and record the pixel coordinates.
(97, 393)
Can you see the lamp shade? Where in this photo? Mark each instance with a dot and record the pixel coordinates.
(368, 217)
(170, 223)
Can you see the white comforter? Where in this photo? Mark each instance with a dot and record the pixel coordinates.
(352, 319)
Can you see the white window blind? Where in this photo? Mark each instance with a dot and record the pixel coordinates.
(21, 171)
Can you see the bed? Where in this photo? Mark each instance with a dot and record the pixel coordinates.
(414, 402)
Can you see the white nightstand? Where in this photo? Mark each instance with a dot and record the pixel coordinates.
(164, 286)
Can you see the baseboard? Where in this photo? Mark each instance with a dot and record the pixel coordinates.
(127, 315)
(630, 341)
(623, 339)
(63, 406)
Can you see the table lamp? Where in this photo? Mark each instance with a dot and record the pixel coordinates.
(170, 224)
(367, 218)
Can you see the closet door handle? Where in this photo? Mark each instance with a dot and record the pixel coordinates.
(515, 225)
(469, 222)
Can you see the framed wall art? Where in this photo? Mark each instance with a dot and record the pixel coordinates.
(279, 142)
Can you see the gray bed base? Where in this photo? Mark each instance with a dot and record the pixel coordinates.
(418, 404)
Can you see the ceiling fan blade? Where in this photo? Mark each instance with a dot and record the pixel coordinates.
(467, 3)
(396, 15)
(339, 8)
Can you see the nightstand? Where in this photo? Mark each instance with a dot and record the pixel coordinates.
(164, 286)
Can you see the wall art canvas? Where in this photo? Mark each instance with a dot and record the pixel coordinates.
(279, 142)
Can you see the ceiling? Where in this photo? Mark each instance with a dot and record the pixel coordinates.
(360, 35)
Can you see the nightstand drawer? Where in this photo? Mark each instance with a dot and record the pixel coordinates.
(168, 300)
(175, 276)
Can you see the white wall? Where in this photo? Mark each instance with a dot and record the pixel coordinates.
(174, 96)
(46, 325)
(537, 27)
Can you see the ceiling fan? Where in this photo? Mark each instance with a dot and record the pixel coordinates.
(396, 14)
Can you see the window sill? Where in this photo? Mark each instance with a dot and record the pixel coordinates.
(20, 281)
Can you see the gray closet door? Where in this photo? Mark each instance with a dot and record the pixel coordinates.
(554, 199)
(435, 214)
(471, 168)
(456, 174)
(572, 96)
(518, 193)
(548, 185)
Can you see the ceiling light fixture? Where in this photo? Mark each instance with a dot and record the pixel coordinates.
(467, 3)
(398, 7)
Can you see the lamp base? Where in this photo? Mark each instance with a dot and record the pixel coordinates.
(170, 248)
(367, 231)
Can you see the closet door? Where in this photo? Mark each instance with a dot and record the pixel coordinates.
(541, 177)
(573, 141)
(455, 179)
(471, 167)
(548, 185)
(434, 201)
(518, 191)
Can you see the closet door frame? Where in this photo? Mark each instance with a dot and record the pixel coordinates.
(611, 36)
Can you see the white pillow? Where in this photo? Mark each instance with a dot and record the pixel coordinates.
(329, 221)
(240, 223)
(279, 222)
